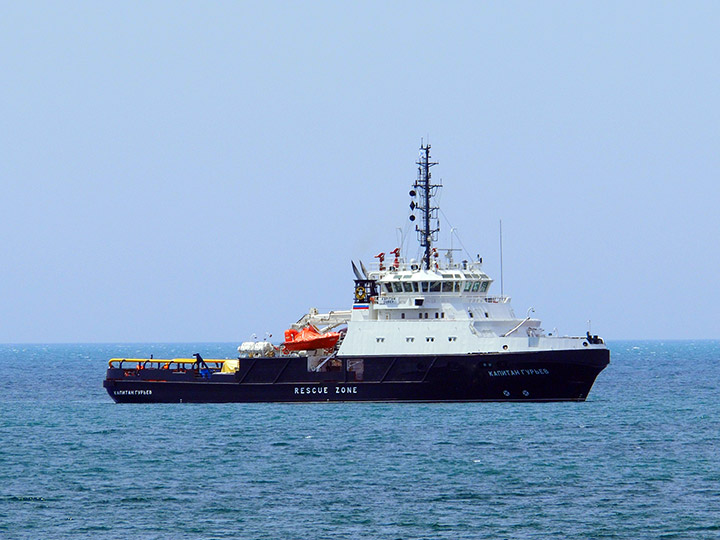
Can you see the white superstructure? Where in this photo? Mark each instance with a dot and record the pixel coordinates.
(444, 310)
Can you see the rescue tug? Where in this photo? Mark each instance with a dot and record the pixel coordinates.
(426, 330)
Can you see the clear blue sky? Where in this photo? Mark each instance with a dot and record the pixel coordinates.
(199, 171)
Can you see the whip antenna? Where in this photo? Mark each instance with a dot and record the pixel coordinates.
(502, 290)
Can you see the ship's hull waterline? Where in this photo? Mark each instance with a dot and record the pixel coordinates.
(565, 375)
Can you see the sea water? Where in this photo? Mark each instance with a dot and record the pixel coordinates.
(638, 460)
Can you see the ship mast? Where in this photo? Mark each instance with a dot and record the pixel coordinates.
(425, 191)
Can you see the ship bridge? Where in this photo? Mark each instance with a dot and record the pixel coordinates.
(408, 292)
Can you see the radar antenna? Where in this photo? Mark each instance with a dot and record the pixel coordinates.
(424, 191)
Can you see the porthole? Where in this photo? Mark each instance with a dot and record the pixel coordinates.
(505, 347)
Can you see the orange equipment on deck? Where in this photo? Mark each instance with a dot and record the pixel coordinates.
(309, 338)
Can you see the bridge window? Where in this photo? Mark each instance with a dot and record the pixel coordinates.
(476, 286)
(468, 286)
(388, 287)
(434, 286)
(447, 286)
(484, 286)
(407, 286)
(415, 286)
(397, 287)
(425, 286)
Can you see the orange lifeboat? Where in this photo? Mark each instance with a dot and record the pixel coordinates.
(309, 338)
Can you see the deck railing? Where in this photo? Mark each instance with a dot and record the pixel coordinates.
(157, 363)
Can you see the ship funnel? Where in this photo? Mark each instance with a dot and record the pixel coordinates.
(356, 271)
(364, 270)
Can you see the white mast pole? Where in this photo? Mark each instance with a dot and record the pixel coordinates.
(502, 289)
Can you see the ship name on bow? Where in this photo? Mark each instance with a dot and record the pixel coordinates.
(517, 372)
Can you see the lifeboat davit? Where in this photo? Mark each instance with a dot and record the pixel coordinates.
(309, 338)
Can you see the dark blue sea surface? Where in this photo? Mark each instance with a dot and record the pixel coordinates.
(640, 459)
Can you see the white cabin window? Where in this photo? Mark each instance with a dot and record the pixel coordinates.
(397, 287)
(407, 286)
(380, 339)
(402, 315)
(452, 338)
(484, 286)
(447, 286)
(409, 339)
(468, 286)
(388, 287)
(415, 286)
(425, 286)
(434, 286)
(429, 339)
(476, 286)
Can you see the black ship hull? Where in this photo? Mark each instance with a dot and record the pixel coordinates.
(566, 375)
